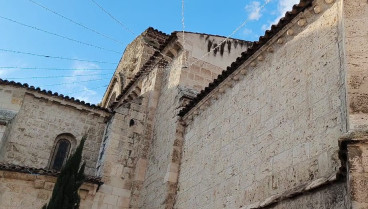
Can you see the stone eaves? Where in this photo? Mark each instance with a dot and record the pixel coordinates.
(150, 33)
(146, 67)
(269, 34)
(51, 94)
(41, 171)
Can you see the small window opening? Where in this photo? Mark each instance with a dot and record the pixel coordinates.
(131, 123)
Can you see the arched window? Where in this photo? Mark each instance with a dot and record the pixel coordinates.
(61, 151)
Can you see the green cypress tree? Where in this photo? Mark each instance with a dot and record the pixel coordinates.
(65, 194)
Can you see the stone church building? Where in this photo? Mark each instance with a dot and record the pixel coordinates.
(198, 121)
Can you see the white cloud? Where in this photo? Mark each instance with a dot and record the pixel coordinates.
(10, 61)
(83, 68)
(285, 5)
(282, 7)
(254, 10)
(3, 73)
(265, 27)
(87, 95)
(81, 90)
(247, 31)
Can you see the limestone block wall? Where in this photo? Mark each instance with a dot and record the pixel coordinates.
(2, 131)
(186, 72)
(151, 88)
(334, 196)
(199, 75)
(204, 61)
(32, 191)
(32, 135)
(204, 47)
(354, 155)
(130, 63)
(135, 56)
(355, 20)
(274, 130)
(11, 100)
(122, 164)
(154, 191)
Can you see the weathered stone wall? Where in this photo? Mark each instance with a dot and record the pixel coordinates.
(355, 23)
(162, 172)
(135, 56)
(128, 65)
(354, 157)
(11, 98)
(274, 130)
(10, 102)
(208, 48)
(329, 197)
(32, 191)
(198, 76)
(33, 131)
(358, 174)
(121, 159)
(202, 66)
(154, 188)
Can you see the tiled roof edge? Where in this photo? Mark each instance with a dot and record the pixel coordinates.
(269, 34)
(41, 171)
(50, 93)
(157, 31)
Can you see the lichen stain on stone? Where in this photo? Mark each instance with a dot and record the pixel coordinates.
(354, 152)
(355, 160)
(359, 103)
(356, 81)
(359, 189)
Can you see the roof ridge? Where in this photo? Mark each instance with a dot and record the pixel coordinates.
(155, 30)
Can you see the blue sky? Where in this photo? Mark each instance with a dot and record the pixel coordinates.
(87, 80)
